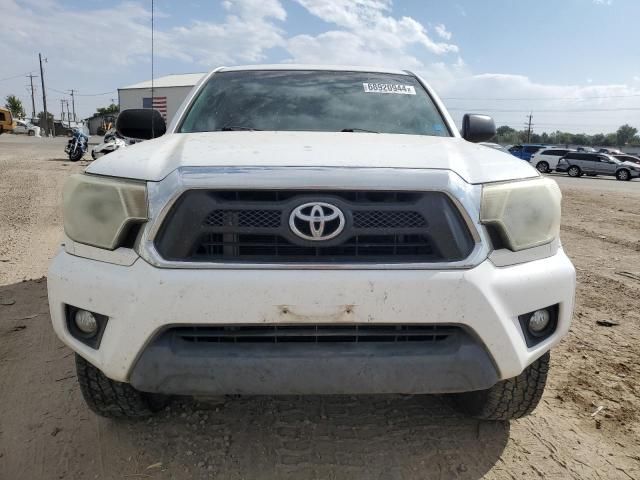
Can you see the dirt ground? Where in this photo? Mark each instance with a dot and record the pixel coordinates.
(47, 432)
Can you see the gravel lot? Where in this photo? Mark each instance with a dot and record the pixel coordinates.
(47, 432)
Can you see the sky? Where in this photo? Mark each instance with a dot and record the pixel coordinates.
(573, 64)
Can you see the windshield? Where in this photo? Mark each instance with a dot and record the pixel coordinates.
(314, 101)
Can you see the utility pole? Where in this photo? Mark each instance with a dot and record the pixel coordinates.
(68, 114)
(73, 104)
(44, 98)
(31, 76)
(529, 125)
(62, 110)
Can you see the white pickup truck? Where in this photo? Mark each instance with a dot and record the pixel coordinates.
(311, 230)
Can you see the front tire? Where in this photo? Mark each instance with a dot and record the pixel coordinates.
(112, 399)
(75, 156)
(574, 171)
(508, 399)
(542, 167)
(623, 175)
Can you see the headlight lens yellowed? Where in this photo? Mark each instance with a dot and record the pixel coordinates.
(97, 210)
(526, 213)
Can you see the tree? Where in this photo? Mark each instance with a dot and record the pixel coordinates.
(611, 140)
(49, 116)
(580, 139)
(597, 140)
(625, 133)
(113, 108)
(504, 130)
(14, 105)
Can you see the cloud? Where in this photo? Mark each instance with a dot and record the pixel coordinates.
(82, 54)
(508, 98)
(244, 36)
(442, 32)
(603, 2)
(378, 31)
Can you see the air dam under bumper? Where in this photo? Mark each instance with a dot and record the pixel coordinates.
(173, 367)
(141, 301)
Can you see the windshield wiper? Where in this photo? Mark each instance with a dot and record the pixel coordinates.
(351, 130)
(231, 128)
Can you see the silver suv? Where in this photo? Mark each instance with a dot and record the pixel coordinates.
(577, 164)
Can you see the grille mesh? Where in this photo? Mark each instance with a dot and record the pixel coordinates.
(384, 333)
(266, 247)
(244, 218)
(388, 219)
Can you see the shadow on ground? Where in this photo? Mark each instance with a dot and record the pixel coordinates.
(46, 431)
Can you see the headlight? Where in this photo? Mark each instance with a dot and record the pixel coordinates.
(526, 213)
(97, 210)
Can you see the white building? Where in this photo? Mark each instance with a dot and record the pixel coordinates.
(168, 93)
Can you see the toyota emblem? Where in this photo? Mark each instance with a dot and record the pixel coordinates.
(317, 221)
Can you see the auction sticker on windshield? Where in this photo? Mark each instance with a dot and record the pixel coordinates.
(389, 88)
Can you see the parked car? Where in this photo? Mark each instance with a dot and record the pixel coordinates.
(610, 151)
(525, 151)
(26, 128)
(628, 158)
(263, 245)
(495, 146)
(7, 123)
(577, 164)
(546, 159)
(586, 149)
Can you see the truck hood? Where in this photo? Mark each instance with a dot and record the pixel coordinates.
(155, 159)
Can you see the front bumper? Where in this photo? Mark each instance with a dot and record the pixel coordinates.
(141, 301)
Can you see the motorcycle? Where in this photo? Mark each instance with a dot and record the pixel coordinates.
(112, 142)
(77, 146)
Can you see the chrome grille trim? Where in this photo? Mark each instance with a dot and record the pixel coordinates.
(163, 194)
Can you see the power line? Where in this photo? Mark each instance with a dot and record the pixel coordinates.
(95, 94)
(542, 98)
(14, 76)
(83, 94)
(564, 110)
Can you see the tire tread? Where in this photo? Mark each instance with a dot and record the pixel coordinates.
(509, 399)
(109, 398)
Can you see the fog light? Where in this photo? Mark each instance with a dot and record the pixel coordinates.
(539, 321)
(86, 322)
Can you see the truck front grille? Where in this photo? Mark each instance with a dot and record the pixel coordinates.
(315, 333)
(255, 227)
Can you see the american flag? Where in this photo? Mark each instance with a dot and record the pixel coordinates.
(158, 103)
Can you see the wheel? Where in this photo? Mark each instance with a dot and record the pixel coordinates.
(623, 175)
(93, 155)
(75, 156)
(508, 399)
(574, 171)
(112, 399)
(31, 133)
(542, 167)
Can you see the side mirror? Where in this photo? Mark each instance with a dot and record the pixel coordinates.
(478, 128)
(143, 123)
